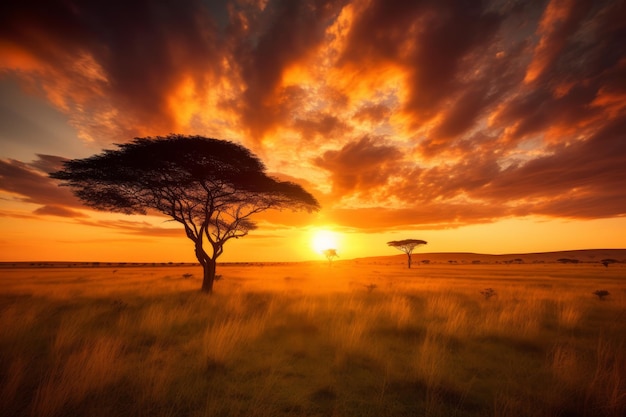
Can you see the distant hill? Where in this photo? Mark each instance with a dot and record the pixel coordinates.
(579, 256)
(582, 256)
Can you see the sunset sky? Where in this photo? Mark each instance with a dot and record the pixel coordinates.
(494, 127)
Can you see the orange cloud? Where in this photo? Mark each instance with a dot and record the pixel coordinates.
(58, 211)
(30, 184)
(359, 167)
(559, 19)
(435, 113)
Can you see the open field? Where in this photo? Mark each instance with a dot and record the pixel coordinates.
(355, 339)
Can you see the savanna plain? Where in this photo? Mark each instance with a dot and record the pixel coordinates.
(356, 338)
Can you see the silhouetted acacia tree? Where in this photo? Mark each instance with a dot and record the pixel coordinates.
(607, 262)
(407, 246)
(330, 254)
(210, 186)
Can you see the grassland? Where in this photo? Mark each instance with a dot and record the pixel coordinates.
(355, 339)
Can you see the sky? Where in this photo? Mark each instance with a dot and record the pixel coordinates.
(479, 126)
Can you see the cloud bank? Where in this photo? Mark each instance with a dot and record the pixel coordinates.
(422, 114)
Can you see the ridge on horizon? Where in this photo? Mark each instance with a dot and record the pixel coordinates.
(586, 255)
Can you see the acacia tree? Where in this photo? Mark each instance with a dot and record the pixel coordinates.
(330, 254)
(407, 246)
(211, 186)
(607, 262)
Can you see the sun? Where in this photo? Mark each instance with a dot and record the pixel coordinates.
(324, 239)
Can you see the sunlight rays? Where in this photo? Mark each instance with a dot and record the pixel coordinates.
(322, 239)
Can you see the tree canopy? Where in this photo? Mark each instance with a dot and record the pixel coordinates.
(407, 246)
(211, 186)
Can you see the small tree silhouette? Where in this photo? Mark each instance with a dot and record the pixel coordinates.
(607, 262)
(330, 254)
(407, 246)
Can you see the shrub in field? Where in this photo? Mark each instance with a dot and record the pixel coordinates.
(488, 293)
(371, 287)
(601, 294)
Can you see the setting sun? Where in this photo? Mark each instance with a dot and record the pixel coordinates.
(324, 239)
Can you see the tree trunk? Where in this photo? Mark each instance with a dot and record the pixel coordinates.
(209, 275)
(409, 261)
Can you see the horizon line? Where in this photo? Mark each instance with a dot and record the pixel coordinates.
(190, 263)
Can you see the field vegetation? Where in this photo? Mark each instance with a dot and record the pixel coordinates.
(354, 339)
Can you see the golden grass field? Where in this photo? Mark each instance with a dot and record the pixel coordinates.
(354, 339)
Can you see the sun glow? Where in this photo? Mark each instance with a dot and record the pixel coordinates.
(324, 239)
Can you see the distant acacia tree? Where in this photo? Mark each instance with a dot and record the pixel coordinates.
(407, 246)
(330, 254)
(211, 186)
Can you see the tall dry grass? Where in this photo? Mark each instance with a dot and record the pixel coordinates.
(73, 378)
(310, 340)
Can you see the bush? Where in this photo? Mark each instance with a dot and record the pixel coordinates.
(488, 293)
(567, 261)
(371, 287)
(601, 294)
